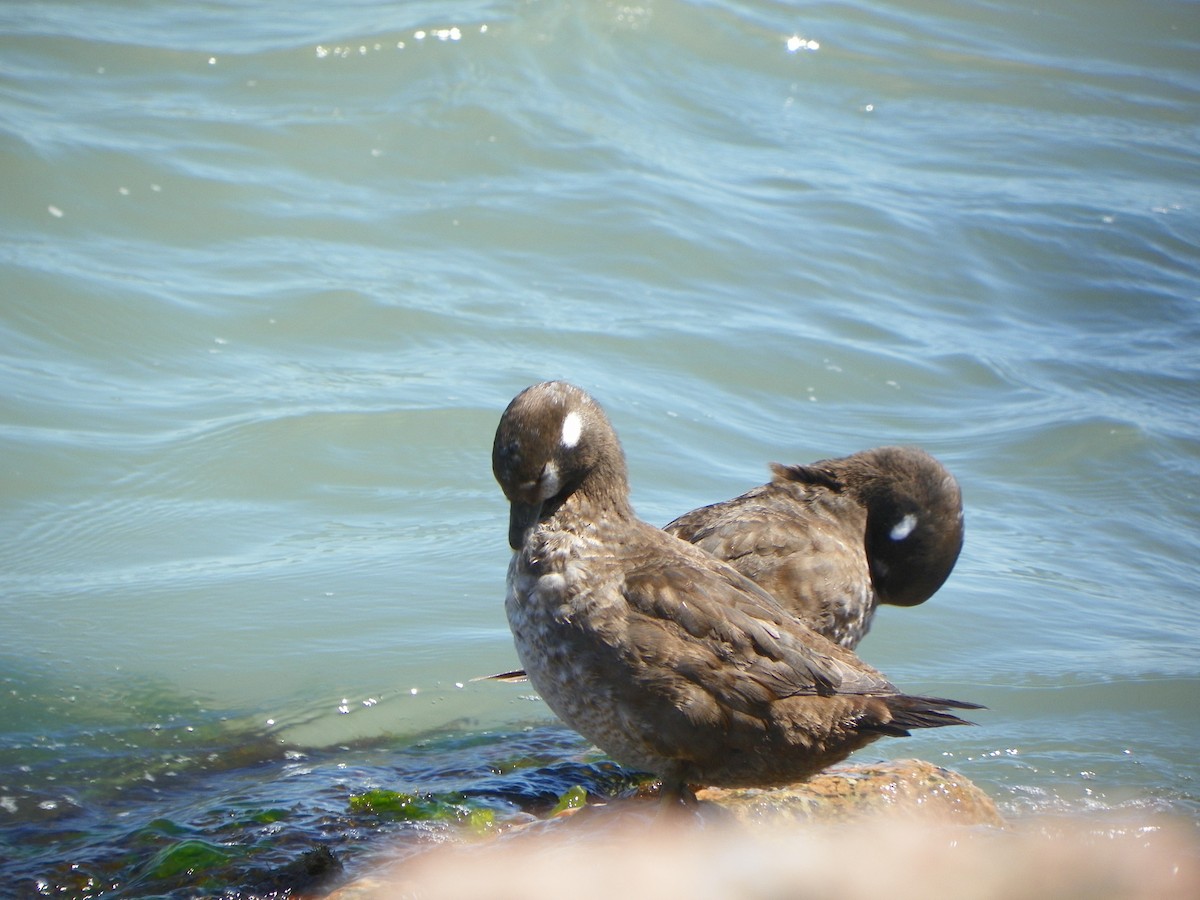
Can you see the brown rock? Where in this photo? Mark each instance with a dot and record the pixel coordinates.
(909, 787)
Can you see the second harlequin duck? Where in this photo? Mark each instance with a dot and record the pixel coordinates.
(832, 540)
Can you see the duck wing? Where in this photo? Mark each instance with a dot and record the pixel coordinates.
(713, 627)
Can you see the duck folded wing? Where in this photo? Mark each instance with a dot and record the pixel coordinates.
(717, 629)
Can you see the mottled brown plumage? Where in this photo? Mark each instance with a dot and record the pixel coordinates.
(667, 658)
(832, 540)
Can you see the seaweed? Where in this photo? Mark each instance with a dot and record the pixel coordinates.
(572, 799)
(453, 809)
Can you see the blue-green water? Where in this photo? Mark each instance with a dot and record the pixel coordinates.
(269, 272)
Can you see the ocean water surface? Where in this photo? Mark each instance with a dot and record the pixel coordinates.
(270, 272)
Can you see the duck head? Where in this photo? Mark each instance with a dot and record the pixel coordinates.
(553, 442)
(914, 523)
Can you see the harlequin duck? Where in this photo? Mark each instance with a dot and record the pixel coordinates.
(667, 658)
(832, 540)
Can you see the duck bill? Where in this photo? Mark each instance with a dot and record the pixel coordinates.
(521, 519)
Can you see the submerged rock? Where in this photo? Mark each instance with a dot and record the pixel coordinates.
(308, 872)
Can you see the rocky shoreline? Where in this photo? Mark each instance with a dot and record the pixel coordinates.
(911, 791)
(907, 830)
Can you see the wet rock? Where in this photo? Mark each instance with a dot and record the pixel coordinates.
(909, 787)
(312, 870)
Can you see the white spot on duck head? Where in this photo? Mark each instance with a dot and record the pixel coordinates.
(572, 428)
(904, 527)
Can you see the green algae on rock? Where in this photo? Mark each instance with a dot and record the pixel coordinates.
(453, 809)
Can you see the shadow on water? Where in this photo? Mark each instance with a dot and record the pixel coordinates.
(167, 798)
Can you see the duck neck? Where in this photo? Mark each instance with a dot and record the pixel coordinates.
(602, 495)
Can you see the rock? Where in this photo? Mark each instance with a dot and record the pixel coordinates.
(305, 874)
(901, 790)
(904, 787)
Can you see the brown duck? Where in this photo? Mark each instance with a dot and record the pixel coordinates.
(667, 658)
(832, 540)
